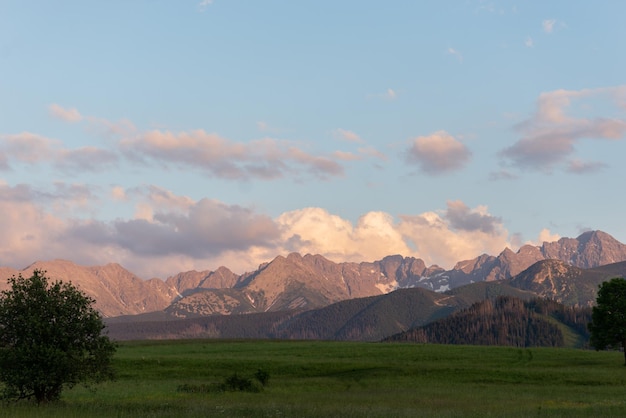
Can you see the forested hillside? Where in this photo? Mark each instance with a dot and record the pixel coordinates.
(507, 321)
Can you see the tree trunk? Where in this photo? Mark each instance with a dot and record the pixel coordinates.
(624, 349)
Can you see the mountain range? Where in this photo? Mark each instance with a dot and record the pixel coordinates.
(301, 290)
(377, 317)
(309, 281)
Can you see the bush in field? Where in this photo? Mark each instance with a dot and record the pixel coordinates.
(50, 337)
(187, 388)
(236, 383)
(262, 376)
(233, 383)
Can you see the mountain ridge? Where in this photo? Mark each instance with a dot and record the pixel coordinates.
(301, 282)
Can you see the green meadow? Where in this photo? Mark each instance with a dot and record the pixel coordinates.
(338, 379)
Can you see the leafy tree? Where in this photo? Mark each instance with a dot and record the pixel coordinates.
(50, 338)
(608, 319)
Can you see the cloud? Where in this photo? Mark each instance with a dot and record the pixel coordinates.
(346, 156)
(85, 159)
(502, 175)
(372, 152)
(264, 159)
(99, 125)
(118, 193)
(204, 229)
(204, 4)
(68, 115)
(548, 25)
(550, 134)
(316, 231)
(30, 148)
(546, 236)
(389, 94)
(455, 53)
(437, 153)
(529, 42)
(347, 135)
(458, 233)
(583, 167)
(463, 218)
(178, 233)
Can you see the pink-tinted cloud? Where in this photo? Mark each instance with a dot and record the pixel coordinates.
(85, 159)
(66, 114)
(437, 153)
(346, 156)
(583, 167)
(178, 233)
(265, 159)
(29, 148)
(548, 25)
(550, 135)
(372, 152)
(347, 135)
(461, 217)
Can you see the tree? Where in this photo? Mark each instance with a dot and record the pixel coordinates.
(50, 338)
(608, 318)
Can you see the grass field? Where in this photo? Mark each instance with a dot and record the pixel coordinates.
(339, 379)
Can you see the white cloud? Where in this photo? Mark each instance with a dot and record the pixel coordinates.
(529, 42)
(455, 53)
(389, 94)
(204, 4)
(546, 236)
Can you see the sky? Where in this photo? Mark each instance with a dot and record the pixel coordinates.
(172, 135)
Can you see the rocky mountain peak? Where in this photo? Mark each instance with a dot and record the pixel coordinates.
(590, 249)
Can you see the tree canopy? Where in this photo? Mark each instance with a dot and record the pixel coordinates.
(50, 338)
(608, 320)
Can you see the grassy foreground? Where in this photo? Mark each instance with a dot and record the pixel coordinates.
(325, 379)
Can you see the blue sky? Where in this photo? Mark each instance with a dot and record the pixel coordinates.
(176, 135)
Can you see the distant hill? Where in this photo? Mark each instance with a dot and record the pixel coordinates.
(507, 321)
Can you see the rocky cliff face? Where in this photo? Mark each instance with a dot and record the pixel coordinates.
(115, 290)
(564, 283)
(591, 249)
